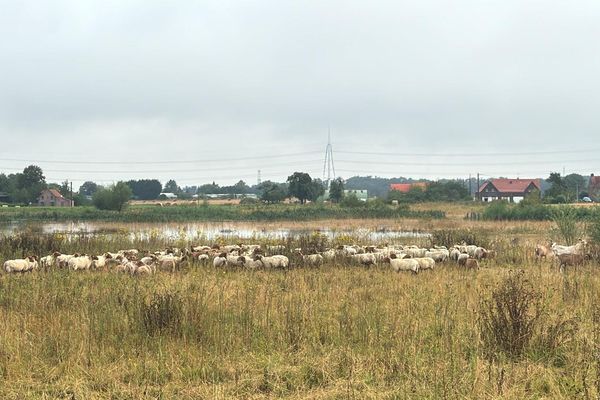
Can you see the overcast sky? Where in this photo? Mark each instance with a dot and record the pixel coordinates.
(237, 86)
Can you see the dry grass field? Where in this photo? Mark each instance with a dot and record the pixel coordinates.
(514, 329)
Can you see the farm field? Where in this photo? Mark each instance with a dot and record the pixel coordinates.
(337, 331)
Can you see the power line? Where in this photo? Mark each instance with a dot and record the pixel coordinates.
(473, 154)
(163, 171)
(214, 160)
(410, 163)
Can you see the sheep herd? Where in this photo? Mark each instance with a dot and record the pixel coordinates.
(253, 256)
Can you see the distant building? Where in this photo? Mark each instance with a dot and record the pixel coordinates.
(406, 187)
(361, 194)
(513, 190)
(594, 187)
(169, 196)
(53, 198)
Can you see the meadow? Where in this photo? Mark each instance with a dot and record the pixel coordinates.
(514, 329)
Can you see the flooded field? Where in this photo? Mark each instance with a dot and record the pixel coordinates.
(213, 231)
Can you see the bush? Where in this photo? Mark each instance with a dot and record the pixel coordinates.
(351, 201)
(508, 320)
(514, 321)
(114, 198)
(249, 201)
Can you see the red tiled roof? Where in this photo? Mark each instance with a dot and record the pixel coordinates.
(405, 187)
(512, 185)
(55, 193)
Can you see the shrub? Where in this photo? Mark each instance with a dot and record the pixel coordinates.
(508, 320)
(114, 198)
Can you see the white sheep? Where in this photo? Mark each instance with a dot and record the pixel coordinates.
(80, 263)
(277, 261)
(220, 260)
(365, 259)
(21, 265)
(425, 263)
(407, 264)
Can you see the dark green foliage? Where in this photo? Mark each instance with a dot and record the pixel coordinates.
(113, 198)
(88, 188)
(172, 187)
(352, 201)
(501, 210)
(446, 191)
(336, 190)
(271, 192)
(303, 187)
(145, 189)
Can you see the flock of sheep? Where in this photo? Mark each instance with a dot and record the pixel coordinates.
(136, 262)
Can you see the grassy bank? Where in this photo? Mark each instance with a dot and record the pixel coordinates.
(340, 332)
(193, 213)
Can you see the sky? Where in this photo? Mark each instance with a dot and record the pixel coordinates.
(216, 90)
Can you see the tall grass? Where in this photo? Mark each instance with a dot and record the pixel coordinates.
(337, 332)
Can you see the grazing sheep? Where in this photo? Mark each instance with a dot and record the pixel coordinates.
(472, 263)
(425, 263)
(462, 259)
(407, 264)
(100, 262)
(575, 249)
(454, 254)
(21, 265)
(277, 261)
(220, 260)
(62, 261)
(544, 252)
(365, 259)
(571, 260)
(437, 255)
(49, 261)
(80, 263)
(329, 255)
(480, 253)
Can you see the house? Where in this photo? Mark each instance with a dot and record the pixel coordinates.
(406, 187)
(169, 196)
(513, 190)
(361, 194)
(594, 187)
(53, 198)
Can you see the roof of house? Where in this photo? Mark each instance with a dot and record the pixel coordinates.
(512, 185)
(55, 193)
(405, 187)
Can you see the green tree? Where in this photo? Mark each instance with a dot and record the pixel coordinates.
(29, 184)
(171, 187)
(302, 186)
(336, 190)
(113, 198)
(88, 188)
(271, 192)
(145, 189)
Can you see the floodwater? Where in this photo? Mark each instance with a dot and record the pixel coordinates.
(204, 231)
